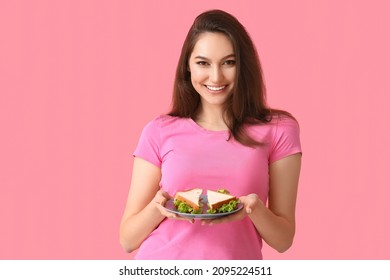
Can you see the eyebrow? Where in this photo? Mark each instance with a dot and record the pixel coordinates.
(205, 58)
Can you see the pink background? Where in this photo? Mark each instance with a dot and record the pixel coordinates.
(79, 80)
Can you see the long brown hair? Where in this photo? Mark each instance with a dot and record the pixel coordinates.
(247, 103)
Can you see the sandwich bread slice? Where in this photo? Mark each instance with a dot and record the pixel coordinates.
(221, 201)
(189, 201)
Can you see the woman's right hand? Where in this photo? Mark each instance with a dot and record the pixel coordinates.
(160, 199)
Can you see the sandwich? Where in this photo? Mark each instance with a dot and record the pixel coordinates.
(188, 201)
(221, 201)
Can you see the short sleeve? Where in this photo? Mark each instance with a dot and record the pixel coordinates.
(286, 139)
(148, 147)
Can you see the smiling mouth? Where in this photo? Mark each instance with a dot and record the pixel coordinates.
(215, 88)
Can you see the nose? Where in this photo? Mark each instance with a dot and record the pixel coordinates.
(216, 74)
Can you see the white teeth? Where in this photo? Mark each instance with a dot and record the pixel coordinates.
(215, 88)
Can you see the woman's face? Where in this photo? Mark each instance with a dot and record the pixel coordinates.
(213, 68)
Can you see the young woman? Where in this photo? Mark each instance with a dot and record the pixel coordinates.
(219, 134)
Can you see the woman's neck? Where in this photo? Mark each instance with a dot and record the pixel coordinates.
(211, 119)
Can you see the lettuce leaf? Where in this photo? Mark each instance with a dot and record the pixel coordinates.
(225, 208)
(183, 207)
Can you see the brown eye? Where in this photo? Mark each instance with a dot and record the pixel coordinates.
(202, 63)
(230, 62)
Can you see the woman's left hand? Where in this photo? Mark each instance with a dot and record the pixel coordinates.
(250, 202)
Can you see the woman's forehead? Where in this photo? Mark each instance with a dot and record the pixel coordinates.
(212, 46)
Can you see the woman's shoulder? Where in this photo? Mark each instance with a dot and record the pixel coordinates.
(284, 120)
(284, 124)
(164, 121)
(275, 125)
(274, 121)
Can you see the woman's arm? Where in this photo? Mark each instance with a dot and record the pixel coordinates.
(275, 224)
(141, 216)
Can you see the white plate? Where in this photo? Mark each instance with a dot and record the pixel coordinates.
(171, 208)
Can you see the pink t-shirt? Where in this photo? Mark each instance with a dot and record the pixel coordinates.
(192, 157)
